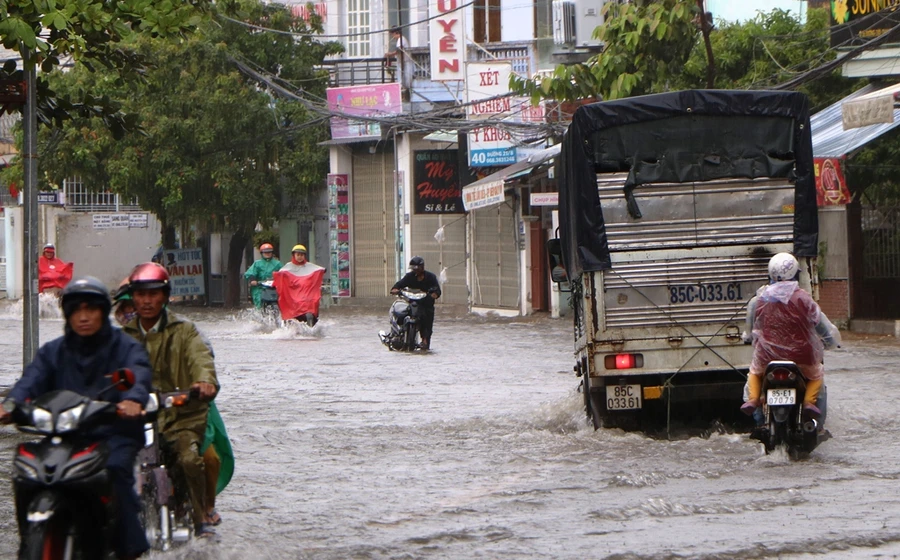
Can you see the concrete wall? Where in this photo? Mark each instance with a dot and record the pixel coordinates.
(108, 254)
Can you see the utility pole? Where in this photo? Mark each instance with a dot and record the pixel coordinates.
(30, 336)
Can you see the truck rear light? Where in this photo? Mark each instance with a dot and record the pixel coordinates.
(623, 361)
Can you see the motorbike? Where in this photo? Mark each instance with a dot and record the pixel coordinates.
(269, 299)
(404, 317)
(64, 497)
(785, 421)
(165, 510)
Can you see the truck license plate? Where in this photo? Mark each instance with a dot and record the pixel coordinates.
(781, 396)
(623, 397)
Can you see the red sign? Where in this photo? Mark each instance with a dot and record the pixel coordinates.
(831, 187)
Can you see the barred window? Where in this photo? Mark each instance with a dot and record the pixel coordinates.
(358, 27)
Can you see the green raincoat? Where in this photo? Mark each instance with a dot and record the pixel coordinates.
(218, 438)
(261, 271)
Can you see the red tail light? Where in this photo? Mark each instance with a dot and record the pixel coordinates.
(623, 361)
(25, 453)
(780, 374)
(86, 451)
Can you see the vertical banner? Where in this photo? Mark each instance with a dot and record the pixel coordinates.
(831, 187)
(448, 41)
(185, 268)
(489, 145)
(339, 233)
(436, 177)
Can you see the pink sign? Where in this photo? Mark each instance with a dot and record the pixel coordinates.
(379, 100)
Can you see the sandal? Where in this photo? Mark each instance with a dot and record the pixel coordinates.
(213, 518)
(204, 531)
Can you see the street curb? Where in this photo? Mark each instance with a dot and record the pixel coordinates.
(883, 327)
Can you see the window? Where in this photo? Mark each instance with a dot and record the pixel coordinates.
(487, 21)
(358, 27)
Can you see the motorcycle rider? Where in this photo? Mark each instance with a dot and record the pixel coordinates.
(53, 273)
(261, 271)
(786, 324)
(79, 361)
(299, 297)
(181, 360)
(420, 279)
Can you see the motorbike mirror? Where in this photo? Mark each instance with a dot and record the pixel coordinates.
(122, 379)
(554, 253)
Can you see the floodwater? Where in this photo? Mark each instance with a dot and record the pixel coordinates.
(480, 449)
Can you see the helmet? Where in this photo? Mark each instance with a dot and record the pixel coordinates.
(123, 292)
(417, 261)
(783, 266)
(299, 249)
(49, 247)
(86, 289)
(149, 276)
(266, 248)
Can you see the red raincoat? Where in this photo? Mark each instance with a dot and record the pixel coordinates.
(298, 295)
(53, 273)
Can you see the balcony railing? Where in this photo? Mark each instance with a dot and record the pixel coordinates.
(368, 71)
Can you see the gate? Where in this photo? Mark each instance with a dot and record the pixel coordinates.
(877, 297)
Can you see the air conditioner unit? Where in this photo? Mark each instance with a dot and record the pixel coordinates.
(564, 22)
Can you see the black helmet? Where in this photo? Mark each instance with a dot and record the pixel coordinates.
(417, 261)
(86, 289)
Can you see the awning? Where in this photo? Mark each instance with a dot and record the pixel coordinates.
(450, 136)
(489, 190)
(872, 108)
(829, 139)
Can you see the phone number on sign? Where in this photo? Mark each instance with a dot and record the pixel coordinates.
(705, 292)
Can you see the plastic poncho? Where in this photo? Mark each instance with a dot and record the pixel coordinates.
(785, 322)
(53, 273)
(299, 289)
(261, 271)
(218, 438)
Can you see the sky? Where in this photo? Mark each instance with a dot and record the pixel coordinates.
(740, 10)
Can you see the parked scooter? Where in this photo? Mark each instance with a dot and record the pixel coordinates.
(786, 423)
(404, 317)
(166, 508)
(63, 492)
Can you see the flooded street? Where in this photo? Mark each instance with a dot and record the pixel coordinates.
(481, 449)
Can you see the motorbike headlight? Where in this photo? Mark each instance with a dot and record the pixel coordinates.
(42, 420)
(68, 419)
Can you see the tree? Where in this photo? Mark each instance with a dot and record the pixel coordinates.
(217, 150)
(92, 32)
(647, 43)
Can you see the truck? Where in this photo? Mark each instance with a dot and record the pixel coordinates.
(670, 207)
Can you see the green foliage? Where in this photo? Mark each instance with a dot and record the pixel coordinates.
(872, 172)
(647, 43)
(215, 148)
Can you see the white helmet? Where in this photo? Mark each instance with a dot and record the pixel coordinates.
(783, 266)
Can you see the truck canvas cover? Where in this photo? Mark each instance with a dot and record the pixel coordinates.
(681, 137)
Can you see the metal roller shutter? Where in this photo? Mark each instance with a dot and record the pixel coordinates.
(450, 254)
(495, 257)
(373, 207)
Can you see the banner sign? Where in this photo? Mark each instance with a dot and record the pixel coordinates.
(339, 233)
(448, 41)
(490, 145)
(436, 178)
(853, 22)
(185, 267)
(363, 101)
(48, 197)
(544, 199)
(831, 187)
(484, 195)
(111, 220)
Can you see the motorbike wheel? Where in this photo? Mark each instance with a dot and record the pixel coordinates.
(151, 519)
(777, 434)
(411, 333)
(50, 540)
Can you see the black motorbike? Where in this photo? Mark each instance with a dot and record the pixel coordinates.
(786, 422)
(404, 317)
(64, 496)
(165, 506)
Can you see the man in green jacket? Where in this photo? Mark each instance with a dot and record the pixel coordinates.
(181, 360)
(262, 271)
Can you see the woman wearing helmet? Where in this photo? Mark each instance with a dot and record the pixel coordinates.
(299, 286)
(261, 271)
(786, 324)
(79, 361)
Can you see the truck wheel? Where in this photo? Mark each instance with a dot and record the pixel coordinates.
(592, 404)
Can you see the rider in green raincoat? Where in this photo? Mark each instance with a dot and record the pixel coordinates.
(261, 271)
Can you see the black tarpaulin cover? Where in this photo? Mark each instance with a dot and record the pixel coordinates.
(683, 136)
